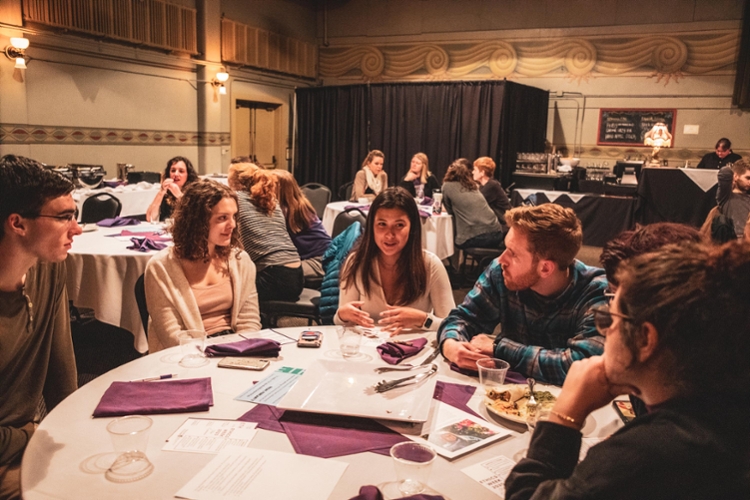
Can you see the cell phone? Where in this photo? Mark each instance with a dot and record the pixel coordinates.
(310, 338)
(624, 410)
(244, 363)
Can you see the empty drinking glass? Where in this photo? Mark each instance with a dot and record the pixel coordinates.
(413, 463)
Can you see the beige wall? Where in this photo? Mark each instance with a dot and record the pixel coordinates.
(681, 56)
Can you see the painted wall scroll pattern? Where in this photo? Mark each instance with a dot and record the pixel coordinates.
(665, 56)
(13, 133)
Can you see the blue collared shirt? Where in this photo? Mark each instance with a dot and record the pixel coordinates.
(540, 336)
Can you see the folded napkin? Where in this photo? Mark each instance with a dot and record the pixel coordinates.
(456, 395)
(118, 221)
(146, 398)
(248, 347)
(325, 436)
(426, 201)
(395, 352)
(152, 235)
(146, 244)
(425, 214)
(373, 493)
(511, 377)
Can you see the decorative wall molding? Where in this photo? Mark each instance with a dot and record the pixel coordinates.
(249, 46)
(668, 56)
(592, 152)
(15, 133)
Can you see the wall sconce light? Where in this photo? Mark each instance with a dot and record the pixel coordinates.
(218, 81)
(16, 51)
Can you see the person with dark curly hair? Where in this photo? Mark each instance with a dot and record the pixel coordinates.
(37, 227)
(205, 281)
(178, 174)
(476, 224)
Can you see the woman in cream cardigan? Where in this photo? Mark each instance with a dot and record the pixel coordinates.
(205, 281)
(371, 180)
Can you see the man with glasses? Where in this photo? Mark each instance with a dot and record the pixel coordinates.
(721, 157)
(539, 295)
(677, 336)
(37, 217)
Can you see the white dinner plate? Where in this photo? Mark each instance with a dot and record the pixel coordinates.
(88, 228)
(346, 388)
(517, 418)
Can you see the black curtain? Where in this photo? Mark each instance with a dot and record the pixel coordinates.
(741, 95)
(337, 126)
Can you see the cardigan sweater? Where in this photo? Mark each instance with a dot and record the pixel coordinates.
(360, 189)
(172, 306)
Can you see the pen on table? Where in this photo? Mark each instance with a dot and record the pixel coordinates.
(157, 377)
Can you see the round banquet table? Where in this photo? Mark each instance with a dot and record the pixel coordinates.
(437, 230)
(101, 275)
(68, 436)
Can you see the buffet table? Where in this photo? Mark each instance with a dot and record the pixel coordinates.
(603, 217)
(69, 443)
(437, 230)
(102, 273)
(683, 195)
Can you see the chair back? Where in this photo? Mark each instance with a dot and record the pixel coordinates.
(319, 196)
(346, 218)
(140, 299)
(100, 206)
(345, 191)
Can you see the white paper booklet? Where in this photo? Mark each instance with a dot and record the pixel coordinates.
(491, 473)
(270, 475)
(203, 435)
(453, 432)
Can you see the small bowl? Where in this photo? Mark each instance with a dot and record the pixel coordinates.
(570, 162)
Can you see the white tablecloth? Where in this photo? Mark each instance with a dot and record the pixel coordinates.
(68, 436)
(135, 198)
(102, 273)
(437, 230)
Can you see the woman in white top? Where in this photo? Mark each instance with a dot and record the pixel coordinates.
(371, 180)
(205, 281)
(389, 279)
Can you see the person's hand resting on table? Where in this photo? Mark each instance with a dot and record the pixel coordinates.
(395, 319)
(353, 313)
(464, 354)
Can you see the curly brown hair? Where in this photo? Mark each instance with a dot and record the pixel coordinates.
(192, 219)
(262, 186)
(460, 171)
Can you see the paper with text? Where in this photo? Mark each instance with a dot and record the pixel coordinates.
(198, 435)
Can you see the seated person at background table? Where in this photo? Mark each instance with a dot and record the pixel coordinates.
(733, 194)
(265, 238)
(371, 180)
(476, 225)
(419, 175)
(37, 213)
(304, 227)
(491, 189)
(677, 336)
(205, 281)
(539, 294)
(389, 279)
(643, 239)
(722, 156)
(178, 174)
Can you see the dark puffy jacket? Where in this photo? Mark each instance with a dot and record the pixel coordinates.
(332, 261)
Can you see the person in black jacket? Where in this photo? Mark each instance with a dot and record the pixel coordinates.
(721, 157)
(678, 337)
(419, 175)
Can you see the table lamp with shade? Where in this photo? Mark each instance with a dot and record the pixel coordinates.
(658, 137)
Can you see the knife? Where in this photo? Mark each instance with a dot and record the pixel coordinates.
(430, 358)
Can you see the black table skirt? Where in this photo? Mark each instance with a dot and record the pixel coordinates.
(667, 195)
(602, 217)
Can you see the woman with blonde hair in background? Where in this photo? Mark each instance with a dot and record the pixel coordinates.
(205, 281)
(304, 227)
(419, 177)
(371, 180)
(265, 238)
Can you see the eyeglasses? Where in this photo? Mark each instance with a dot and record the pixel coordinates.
(603, 318)
(66, 217)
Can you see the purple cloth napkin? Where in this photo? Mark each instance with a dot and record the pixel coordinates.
(152, 235)
(425, 214)
(395, 352)
(373, 493)
(247, 347)
(456, 395)
(426, 201)
(326, 436)
(146, 244)
(511, 377)
(118, 221)
(146, 398)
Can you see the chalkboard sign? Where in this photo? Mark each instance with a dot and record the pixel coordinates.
(628, 127)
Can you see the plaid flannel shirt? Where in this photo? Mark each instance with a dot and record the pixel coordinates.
(540, 337)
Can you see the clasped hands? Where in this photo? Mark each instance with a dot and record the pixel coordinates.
(394, 319)
(170, 185)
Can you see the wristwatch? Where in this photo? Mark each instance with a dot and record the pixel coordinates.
(429, 320)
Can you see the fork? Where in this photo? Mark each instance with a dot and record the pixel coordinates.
(406, 368)
(387, 385)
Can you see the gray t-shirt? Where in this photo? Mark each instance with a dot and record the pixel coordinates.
(472, 215)
(733, 205)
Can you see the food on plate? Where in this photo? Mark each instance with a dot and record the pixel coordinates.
(511, 400)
